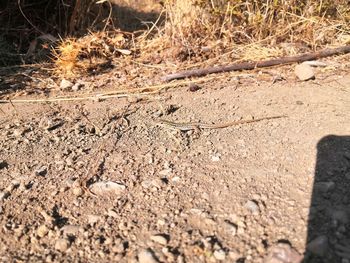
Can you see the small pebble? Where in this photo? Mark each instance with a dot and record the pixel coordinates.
(62, 244)
(283, 253)
(219, 254)
(318, 246)
(161, 239)
(112, 213)
(65, 84)
(193, 87)
(147, 256)
(42, 230)
(71, 229)
(4, 195)
(119, 246)
(215, 158)
(231, 227)
(17, 133)
(13, 185)
(304, 72)
(93, 219)
(42, 171)
(107, 187)
(234, 255)
(77, 86)
(253, 207)
(77, 191)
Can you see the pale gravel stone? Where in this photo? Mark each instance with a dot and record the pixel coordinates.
(160, 239)
(42, 230)
(219, 254)
(62, 244)
(304, 72)
(65, 84)
(147, 256)
(252, 206)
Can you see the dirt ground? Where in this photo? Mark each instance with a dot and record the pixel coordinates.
(161, 195)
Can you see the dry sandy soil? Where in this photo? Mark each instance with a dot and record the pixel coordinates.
(99, 181)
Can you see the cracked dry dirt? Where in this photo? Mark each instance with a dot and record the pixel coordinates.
(224, 195)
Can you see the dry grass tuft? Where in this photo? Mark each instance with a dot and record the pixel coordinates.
(90, 53)
(196, 28)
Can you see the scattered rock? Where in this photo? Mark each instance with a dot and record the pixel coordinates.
(230, 227)
(3, 164)
(283, 253)
(42, 230)
(253, 207)
(112, 213)
(71, 229)
(42, 171)
(215, 158)
(107, 187)
(175, 179)
(160, 238)
(4, 195)
(119, 246)
(304, 72)
(157, 183)
(66, 84)
(193, 87)
(315, 63)
(13, 185)
(62, 244)
(147, 256)
(93, 219)
(233, 255)
(318, 246)
(77, 86)
(47, 217)
(18, 133)
(77, 191)
(219, 254)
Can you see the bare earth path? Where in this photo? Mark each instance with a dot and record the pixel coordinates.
(219, 195)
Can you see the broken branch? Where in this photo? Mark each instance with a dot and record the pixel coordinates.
(258, 64)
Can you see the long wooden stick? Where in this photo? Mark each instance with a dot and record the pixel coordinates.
(258, 64)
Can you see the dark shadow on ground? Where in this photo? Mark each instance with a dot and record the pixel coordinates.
(328, 225)
(131, 20)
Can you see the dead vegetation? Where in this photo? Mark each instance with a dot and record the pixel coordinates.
(196, 31)
(90, 53)
(191, 32)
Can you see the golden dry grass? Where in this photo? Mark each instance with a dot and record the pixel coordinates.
(206, 31)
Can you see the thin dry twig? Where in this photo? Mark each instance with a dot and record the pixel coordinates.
(151, 90)
(26, 18)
